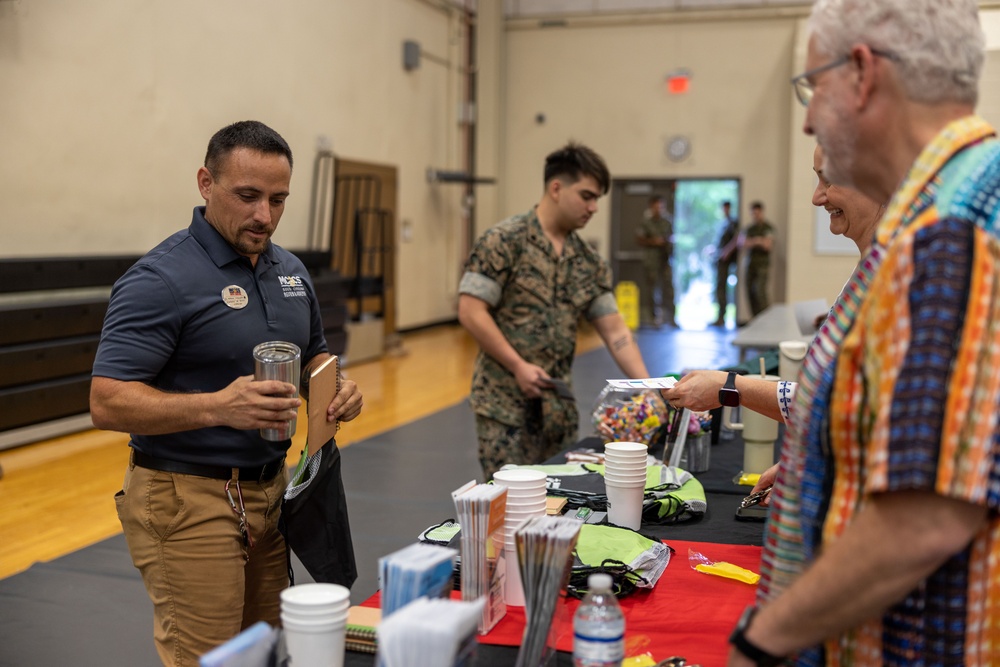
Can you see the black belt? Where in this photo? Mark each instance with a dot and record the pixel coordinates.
(262, 473)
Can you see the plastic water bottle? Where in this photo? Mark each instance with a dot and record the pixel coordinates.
(598, 626)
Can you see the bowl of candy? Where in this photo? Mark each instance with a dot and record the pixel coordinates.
(628, 415)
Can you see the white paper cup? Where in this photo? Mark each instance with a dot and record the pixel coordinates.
(313, 595)
(625, 480)
(626, 453)
(633, 447)
(625, 505)
(625, 467)
(529, 497)
(313, 625)
(513, 523)
(627, 460)
(625, 472)
(316, 613)
(314, 645)
(526, 507)
(515, 520)
(520, 478)
(513, 592)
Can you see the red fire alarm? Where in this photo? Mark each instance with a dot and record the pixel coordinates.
(678, 82)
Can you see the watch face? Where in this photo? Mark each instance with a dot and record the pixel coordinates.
(730, 398)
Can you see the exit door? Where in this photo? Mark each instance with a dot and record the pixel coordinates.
(695, 205)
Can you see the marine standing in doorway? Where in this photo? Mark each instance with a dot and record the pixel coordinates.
(655, 235)
(758, 239)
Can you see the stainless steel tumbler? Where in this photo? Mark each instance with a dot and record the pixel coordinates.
(278, 360)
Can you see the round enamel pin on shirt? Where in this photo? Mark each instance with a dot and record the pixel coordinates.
(235, 297)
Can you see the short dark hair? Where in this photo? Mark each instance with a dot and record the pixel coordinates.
(727, 203)
(250, 134)
(757, 204)
(656, 198)
(574, 161)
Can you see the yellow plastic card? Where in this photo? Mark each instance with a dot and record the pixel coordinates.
(729, 571)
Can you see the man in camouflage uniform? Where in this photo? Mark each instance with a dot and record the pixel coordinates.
(725, 260)
(526, 284)
(656, 236)
(758, 239)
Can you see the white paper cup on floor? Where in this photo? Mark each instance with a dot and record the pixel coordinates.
(314, 644)
(625, 504)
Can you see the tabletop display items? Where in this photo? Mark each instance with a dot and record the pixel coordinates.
(628, 414)
(625, 478)
(598, 626)
(314, 620)
(481, 511)
(525, 499)
(545, 556)
(696, 454)
(430, 633)
(419, 570)
(759, 433)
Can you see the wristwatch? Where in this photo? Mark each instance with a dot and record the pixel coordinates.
(729, 395)
(738, 639)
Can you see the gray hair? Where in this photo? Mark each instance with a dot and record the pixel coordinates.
(940, 43)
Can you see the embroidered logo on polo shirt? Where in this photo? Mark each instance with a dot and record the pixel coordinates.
(235, 297)
(292, 285)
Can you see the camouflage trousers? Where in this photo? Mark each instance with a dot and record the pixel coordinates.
(531, 443)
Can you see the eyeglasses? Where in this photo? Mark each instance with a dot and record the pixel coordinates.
(804, 88)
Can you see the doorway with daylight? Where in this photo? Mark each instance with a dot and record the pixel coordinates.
(696, 207)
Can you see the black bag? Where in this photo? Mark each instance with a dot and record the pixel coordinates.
(314, 520)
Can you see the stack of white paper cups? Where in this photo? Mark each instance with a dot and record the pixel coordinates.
(525, 499)
(625, 482)
(314, 618)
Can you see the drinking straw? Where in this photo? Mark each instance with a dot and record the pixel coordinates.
(763, 374)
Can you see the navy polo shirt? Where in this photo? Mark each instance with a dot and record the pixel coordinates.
(186, 317)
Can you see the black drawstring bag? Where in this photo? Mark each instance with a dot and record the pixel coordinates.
(314, 521)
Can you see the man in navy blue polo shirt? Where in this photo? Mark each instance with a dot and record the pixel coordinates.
(200, 502)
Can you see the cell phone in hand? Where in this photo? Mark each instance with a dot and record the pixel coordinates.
(562, 389)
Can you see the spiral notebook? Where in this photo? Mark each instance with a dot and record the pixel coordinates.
(324, 383)
(362, 629)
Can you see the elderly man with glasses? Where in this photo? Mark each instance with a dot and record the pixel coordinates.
(883, 545)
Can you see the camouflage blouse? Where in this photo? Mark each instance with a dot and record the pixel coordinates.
(536, 299)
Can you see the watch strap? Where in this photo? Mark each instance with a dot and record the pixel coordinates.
(738, 639)
(730, 380)
(729, 395)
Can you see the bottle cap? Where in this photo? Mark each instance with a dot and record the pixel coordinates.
(599, 581)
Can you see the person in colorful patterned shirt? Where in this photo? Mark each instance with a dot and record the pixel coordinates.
(528, 281)
(883, 544)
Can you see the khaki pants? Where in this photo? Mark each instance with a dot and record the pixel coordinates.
(184, 538)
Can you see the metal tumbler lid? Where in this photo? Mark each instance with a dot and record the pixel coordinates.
(276, 351)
